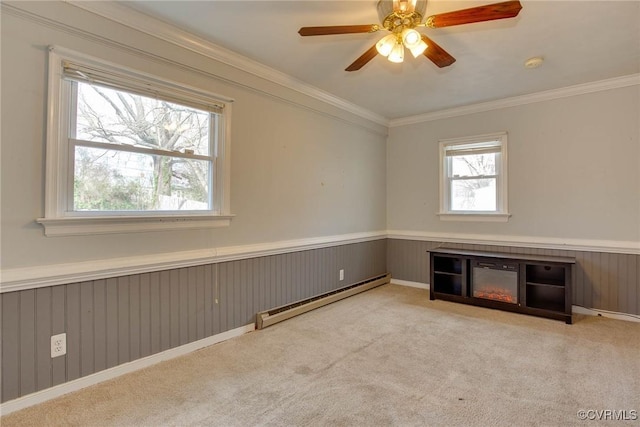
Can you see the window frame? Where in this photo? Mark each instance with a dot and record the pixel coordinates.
(59, 218)
(501, 214)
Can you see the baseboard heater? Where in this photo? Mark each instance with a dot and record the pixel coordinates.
(284, 312)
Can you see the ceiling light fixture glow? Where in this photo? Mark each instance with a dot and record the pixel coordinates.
(418, 49)
(397, 53)
(411, 38)
(386, 44)
(392, 45)
(400, 18)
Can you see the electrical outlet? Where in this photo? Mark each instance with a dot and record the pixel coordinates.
(341, 274)
(58, 345)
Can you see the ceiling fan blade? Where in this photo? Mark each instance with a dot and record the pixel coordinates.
(507, 9)
(364, 58)
(338, 29)
(436, 54)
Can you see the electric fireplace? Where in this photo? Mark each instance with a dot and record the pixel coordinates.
(539, 285)
(497, 281)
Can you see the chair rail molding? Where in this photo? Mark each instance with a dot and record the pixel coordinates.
(17, 279)
(565, 244)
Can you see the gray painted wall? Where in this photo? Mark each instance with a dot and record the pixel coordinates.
(121, 319)
(300, 168)
(606, 281)
(574, 170)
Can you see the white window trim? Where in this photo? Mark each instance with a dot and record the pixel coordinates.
(475, 216)
(58, 222)
(502, 212)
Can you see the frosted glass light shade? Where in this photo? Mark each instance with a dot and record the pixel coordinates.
(418, 49)
(397, 53)
(411, 38)
(386, 44)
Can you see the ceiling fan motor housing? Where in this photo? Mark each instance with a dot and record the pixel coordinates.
(396, 15)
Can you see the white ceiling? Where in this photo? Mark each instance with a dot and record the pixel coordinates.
(581, 41)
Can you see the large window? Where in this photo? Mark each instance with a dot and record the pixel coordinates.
(128, 151)
(135, 153)
(473, 178)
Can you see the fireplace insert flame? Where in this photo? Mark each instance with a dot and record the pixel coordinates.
(495, 281)
(495, 293)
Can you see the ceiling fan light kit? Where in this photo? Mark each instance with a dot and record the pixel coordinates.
(386, 44)
(401, 17)
(393, 13)
(397, 53)
(418, 49)
(410, 37)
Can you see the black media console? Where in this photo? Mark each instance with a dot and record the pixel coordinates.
(529, 284)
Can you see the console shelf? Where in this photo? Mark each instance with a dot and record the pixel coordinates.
(543, 283)
(550, 285)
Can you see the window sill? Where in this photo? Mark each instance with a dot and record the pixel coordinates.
(76, 226)
(474, 216)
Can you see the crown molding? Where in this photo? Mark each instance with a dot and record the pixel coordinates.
(124, 15)
(132, 18)
(547, 95)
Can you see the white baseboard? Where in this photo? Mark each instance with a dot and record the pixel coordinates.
(576, 309)
(409, 283)
(108, 374)
(116, 371)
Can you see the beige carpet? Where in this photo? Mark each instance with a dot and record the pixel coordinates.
(385, 357)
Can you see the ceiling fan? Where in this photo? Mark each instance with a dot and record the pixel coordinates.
(402, 17)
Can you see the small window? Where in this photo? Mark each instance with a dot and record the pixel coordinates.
(473, 178)
(130, 152)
